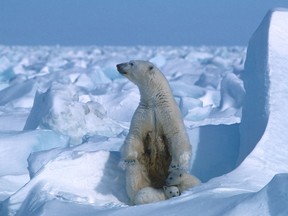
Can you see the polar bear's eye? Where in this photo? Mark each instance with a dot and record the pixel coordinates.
(151, 68)
(170, 192)
(131, 63)
(170, 178)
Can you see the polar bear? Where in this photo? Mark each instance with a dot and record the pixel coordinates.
(157, 141)
(182, 180)
(150, 194)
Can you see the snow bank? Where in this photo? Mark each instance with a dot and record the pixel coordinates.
(22, 144)
(270, 200)
(15, 149)
(59, 109)
(16, 92)
(264, 111)
(232, 92)
(216, 149)
(87, 177)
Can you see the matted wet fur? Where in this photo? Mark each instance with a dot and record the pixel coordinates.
(156, 159)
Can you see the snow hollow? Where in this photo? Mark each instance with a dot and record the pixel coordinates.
(65, 112)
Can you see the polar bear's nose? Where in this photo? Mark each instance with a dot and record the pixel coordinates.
(120, 68)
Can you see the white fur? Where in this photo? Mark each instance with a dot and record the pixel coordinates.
(149, 194)
(156, 116)
(136, 178)
(182, 180)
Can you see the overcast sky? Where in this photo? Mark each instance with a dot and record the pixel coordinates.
(131, 22)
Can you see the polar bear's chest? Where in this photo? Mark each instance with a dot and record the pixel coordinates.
(156, 156)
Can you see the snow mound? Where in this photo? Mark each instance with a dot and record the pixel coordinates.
(22, 144)
(92, 177)
(14, 93)
(270, 200)
(59, 109)
(15, 149)
(264, 115)
(232, 92)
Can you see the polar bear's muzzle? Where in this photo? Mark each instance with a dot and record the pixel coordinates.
(120, 68)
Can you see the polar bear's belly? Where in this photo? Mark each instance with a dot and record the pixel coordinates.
(156, 158)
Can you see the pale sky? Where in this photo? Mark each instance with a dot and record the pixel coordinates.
(131, 22)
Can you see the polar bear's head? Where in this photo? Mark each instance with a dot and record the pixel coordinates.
(138, 71)
(175, 177)
(171, 191)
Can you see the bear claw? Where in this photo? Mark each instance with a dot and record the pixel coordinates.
(130, 162)
(174, 166)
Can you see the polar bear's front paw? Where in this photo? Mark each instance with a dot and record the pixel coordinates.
(127, 163)
(174, 166)
(130, 162)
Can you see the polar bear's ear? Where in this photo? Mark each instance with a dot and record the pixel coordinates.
(165, 188)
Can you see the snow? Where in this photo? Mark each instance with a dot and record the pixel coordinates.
(65, 112)
(59, 109)
(15, 149)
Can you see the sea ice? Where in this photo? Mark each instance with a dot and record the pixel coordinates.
(240, 169)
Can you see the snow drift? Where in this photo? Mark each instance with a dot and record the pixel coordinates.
(243, 166)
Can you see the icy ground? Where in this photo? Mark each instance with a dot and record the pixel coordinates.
(64, 113)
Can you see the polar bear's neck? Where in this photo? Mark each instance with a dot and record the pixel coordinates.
(156, 94)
